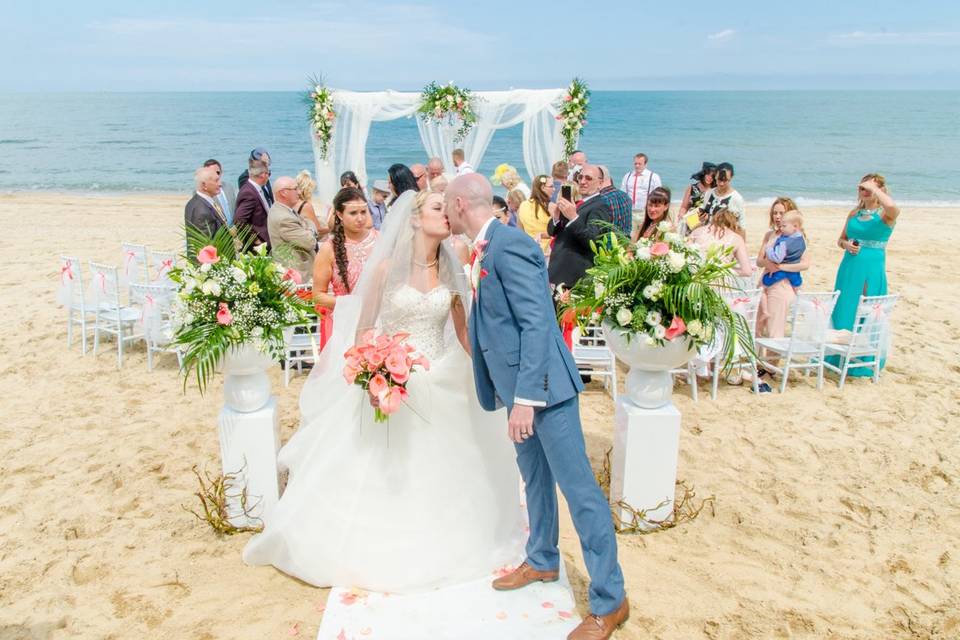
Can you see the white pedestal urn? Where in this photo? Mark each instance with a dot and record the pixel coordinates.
(647, 427)
(249, 434)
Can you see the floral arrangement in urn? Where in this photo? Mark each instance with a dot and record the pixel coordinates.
(659, 290)
(573, 114)
(321, 113)
(449, 103)
(228, 298)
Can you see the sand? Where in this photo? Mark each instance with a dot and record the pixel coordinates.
(837, 514)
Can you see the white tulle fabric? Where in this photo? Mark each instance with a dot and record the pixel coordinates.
(428, 499)
(535, 109)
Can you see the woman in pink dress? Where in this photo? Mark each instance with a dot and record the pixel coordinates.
(340, 260)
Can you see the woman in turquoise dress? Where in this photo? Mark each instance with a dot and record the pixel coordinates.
(864, 242)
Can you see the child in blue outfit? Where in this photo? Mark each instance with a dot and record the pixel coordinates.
(787, 249)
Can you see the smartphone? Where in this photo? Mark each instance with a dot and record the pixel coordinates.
(566, 192)
(856, 243)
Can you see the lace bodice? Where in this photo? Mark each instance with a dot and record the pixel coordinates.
(357, 254)
(422, 315)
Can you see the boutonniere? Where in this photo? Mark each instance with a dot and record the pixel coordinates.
(477, 272)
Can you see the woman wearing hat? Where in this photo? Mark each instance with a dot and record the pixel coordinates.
(701, 182)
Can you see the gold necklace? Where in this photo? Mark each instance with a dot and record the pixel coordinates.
(428, 265)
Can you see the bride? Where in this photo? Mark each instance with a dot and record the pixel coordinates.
(429, 498)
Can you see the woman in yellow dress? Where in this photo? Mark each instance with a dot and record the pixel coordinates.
(533, 212)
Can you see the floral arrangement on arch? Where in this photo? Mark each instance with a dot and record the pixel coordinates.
(658, 290)
(228, 297)
(321, 114)
(573, 114)
(450, 103)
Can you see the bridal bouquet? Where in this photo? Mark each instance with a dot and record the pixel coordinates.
(228, 297)
(381, 365)
(658, 290)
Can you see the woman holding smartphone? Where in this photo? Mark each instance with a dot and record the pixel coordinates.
(863, 270)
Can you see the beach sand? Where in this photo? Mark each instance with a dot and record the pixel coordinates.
(837, 514)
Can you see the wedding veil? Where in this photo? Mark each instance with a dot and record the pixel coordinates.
(389, 267)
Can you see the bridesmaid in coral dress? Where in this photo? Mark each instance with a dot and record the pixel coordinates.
(341, 258)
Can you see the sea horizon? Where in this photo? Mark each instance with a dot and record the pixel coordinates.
(812, 145)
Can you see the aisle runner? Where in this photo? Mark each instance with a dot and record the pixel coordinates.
(471, 611)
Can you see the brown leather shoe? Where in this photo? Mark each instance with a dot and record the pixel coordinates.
(522, 576)
(596, 627)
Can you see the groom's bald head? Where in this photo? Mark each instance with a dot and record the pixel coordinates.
(468, 203)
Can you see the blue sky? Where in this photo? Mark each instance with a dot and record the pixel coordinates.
(358, 44)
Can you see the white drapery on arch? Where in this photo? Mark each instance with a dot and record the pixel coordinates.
(356, 111)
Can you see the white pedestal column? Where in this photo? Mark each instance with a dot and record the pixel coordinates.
(643, 470)
(248, 448)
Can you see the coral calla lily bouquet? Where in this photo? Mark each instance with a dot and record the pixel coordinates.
(228, 298)
(658, 290)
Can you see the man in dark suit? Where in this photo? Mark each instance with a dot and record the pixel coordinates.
(252, 204)
(574, 226)
(258, 154)
(227, 196)
(203, 211)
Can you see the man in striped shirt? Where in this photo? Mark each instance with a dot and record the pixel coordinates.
(618, 202)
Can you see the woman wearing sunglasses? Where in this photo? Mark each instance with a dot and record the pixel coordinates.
(723, 196)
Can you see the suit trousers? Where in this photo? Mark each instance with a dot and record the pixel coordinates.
(556, 455)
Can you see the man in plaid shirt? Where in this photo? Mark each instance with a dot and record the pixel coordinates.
(621, 207)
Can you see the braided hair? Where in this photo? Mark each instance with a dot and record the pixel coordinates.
(339, 240)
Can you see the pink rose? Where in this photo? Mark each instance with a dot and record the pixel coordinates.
(567, 98)
(208, 255)
(293, 274)
(224, 316)
(676, 329)
(378, 385)
(659, 249)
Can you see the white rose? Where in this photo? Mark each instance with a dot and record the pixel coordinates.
(654, 318)
(211, 287)
(663, 227)
(238, 274)
(649, 291)
(650, 341)
(189, 285)
(659, 332)
(643, 253)
(598, 289)
(676, 260)
(204, 268)
(624, 316)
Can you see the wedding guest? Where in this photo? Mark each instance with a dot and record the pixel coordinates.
(203, 210)
(511, 180)
(293, 238)
(657, 210)
(723, 196)
(534, 212)
(306, 185)
(639, 183)
(514, 199)
(501, 211)
(573, 227)
(434, 169)
(400, 179)
(576, 161)
(559, 173)
(227, 196)
(779, 207)
(701, 182)
(463, 167)
(787, 249)
(349, 179)
(621, 207)
(863, 239)
(258, 154)
(252, 203)
(438, 184)
(341, 258)
(378, 202)
(776, 299)
(420, 175)
(724, 230)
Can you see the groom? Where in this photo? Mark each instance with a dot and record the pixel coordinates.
(521, 361)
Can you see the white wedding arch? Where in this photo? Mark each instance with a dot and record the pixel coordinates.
(536, 109)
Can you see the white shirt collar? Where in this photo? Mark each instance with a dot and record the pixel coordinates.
(206, 197)
(482, 235)
(595, 193)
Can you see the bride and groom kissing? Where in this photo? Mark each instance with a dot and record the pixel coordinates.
(431, 498)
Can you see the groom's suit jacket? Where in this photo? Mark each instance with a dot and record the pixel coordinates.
(518, 351)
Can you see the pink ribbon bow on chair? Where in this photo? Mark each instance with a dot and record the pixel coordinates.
(66, 270)
(126, 264)
(739, 303)
(819, 306)
(102, 281)
(147, 303)
(164, 267)
(877, 311)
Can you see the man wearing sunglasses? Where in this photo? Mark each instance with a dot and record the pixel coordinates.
(574, 225)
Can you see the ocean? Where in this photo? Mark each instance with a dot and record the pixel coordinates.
(810, 145)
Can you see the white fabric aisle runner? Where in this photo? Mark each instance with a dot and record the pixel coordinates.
(471, 611)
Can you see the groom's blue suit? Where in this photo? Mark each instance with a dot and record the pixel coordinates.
(519, 357)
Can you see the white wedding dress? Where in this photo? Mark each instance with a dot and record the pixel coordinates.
(429, 498)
